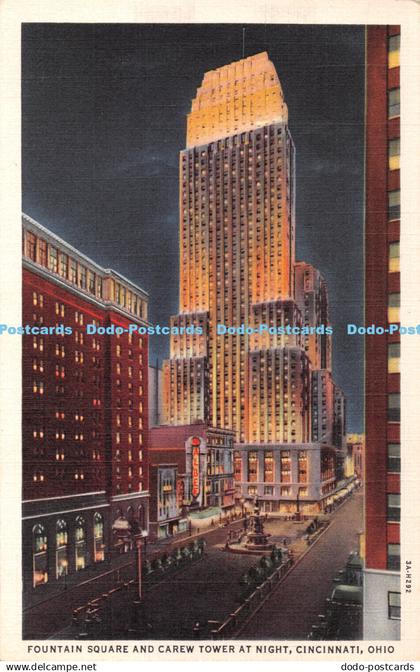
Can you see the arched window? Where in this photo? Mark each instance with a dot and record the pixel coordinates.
(39, 555)
(80, 539)
(61, 544)
(98, 537)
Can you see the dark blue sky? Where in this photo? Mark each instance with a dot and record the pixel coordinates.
(104, 117)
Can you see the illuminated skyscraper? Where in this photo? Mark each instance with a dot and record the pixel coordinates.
(237, 267)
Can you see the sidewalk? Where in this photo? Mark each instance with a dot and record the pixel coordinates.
(54, 611)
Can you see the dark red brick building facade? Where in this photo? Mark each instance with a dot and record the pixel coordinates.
(84, 411)
(382, 232)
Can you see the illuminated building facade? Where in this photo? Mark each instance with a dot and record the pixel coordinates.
(165, 507)
(237, 266)
(354, 464)
(311, 296)
(382, 300)
(84, 410)
(203, 456)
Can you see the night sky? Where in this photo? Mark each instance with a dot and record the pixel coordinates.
(104, 118)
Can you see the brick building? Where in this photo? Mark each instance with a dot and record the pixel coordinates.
(84, 409)
(203, 457)
(382, 380)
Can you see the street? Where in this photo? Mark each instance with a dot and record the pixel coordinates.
(209, 589)
(292, 608)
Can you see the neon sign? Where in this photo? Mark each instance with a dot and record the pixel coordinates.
(195, 467)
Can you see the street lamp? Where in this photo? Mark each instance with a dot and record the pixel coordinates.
(137, 622)
(298, 504)
(138, 546)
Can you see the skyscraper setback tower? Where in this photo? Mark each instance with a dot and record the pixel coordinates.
(237, 265)
(237, 232)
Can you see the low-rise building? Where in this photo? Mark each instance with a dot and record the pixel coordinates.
(204, 459)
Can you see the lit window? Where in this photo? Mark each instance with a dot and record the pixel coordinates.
(394, 51)
(394, 154)
(394, 207)
(98, 536)
(393, 357)
(64, 264)
(393, 308)
(53, 259)
(30, 245)
(80, 545)
(73, 271)
(39, 556)
(394, 258)
(61, 542)
(82, 277)
(393, 103)
(394, 606)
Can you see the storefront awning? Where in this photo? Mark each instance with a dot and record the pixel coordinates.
(206, 513)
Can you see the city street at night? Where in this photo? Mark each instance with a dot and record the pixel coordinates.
(290, 611)
(209, 589)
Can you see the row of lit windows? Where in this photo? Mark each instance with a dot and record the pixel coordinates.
(129, 438)
(285, 491)
(38, 475)
(129, 455)
(40, 547)
(39, 449)
(129, 370)
(129, 421)
(49, 256)
(129, 300)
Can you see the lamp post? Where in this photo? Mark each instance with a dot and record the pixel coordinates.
(138, 617)
(138, 546)
(298, 504)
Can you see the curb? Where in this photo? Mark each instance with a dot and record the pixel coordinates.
(301, 557)
(295, 564)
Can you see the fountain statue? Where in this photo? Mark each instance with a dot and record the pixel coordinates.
(254, 539)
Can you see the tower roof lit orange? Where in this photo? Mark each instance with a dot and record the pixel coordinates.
(238, 97)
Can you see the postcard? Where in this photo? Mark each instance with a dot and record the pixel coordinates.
(209, 332)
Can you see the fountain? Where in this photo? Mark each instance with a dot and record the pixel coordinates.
(254, 539)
